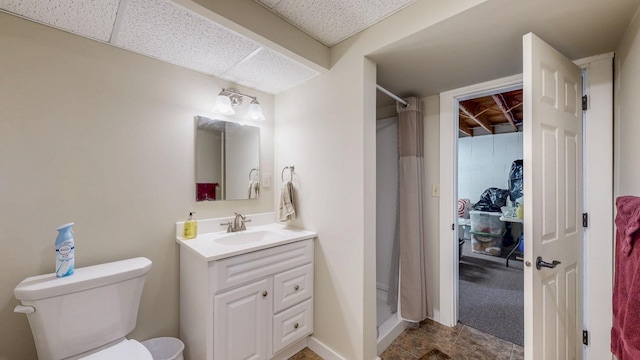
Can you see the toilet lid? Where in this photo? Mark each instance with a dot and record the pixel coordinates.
(125, 350)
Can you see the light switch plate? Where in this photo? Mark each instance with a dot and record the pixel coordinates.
(435, 190)
(266, 180)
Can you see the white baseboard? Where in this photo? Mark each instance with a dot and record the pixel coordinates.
(291, 350)
(322, 350)
(389, 331)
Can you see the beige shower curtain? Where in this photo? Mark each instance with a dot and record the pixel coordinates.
(414, 300)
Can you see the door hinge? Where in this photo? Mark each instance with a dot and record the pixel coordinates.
(585, 220)
(585, 337)
(585, 102)
(453, 226)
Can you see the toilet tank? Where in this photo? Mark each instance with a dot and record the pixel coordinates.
(85, 311)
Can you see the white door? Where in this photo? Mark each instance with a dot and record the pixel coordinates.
(552, 91)
(241, 325)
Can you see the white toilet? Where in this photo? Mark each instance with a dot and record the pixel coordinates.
(88, 314)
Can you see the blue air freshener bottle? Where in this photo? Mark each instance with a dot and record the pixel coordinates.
(64, 251)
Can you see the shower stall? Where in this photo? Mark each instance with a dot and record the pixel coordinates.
(388, 321)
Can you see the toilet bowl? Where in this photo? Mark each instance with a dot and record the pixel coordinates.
(86, 315)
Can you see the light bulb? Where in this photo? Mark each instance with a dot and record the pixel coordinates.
(255, 111)
(223, 105)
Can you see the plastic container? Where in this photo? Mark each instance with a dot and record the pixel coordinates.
(65, 249)
(486, 222)
(190, 227)
(165, 348)
(487, 244)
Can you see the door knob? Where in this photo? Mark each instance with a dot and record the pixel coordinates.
(541, 263)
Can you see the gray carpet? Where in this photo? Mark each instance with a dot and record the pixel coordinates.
(491, 295)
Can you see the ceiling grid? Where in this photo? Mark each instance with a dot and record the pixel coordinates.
(166, 31)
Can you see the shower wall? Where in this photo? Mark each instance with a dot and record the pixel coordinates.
(387, 196)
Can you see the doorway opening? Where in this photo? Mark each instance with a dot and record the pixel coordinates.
(489, 189)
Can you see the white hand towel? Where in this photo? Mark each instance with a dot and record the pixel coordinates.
(287, 207)
(253, 191)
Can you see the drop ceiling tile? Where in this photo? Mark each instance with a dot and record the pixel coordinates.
(331, 21)
(169, 32)
(270, 72)
(89, 18)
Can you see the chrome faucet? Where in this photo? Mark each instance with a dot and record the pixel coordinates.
(237, 224)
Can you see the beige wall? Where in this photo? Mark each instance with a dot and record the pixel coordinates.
(329, 127)
(627, 108)
(103, 137)
(431, 116)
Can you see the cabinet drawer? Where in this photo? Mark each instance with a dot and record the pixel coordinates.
(292, 324)
(291, 287)
(241, 269)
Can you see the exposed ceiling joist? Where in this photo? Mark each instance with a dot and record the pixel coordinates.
(485, 125)
(491, 112)
(465, 129)
(500, 101)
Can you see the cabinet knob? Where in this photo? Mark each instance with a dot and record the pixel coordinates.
(264, 294)
(295, 326)
(296, 288)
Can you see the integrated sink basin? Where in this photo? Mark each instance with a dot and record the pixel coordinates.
(246, 237)
(213, 243)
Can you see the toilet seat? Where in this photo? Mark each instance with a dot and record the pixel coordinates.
(125, 350)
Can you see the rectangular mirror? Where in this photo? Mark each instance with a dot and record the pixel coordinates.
(227, 160)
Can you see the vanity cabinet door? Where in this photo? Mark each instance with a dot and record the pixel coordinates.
(242, 318)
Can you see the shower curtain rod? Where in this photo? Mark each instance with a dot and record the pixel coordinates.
(392, 95)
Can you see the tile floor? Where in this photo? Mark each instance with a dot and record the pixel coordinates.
(436, 342)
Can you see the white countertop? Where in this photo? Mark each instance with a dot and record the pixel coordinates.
(220, 244)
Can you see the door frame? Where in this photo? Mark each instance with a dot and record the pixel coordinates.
(598, 199)
(447, 314)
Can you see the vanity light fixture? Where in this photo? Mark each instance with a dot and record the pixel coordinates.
(255, 111)
(229, 98)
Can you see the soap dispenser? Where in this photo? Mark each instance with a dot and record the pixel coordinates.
(190, 227)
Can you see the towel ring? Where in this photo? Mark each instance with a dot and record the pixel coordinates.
(252, 170)
(291, 168)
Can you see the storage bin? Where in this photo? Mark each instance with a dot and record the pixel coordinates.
(165, 348)
(487, 244)
(486, 222)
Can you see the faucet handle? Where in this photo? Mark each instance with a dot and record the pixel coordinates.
(229, 226)
(243, 227)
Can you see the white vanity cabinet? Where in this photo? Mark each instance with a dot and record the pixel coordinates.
(255, 305)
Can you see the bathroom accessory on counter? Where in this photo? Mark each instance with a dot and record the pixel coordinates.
(65, 249)
(190, 227)
(287, 211)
